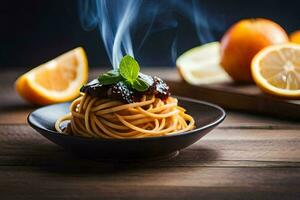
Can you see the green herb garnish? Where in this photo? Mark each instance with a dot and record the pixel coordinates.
(140, 85)
(110, 77)
(129, 68)
(128, 73)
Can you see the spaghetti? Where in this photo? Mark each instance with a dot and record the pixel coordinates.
(107, 118)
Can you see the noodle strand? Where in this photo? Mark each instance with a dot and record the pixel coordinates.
(104, 118)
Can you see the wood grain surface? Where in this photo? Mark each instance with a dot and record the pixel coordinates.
(246, 157)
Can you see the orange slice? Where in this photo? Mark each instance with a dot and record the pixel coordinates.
(276, 70)
(201, 65)
(58, 80)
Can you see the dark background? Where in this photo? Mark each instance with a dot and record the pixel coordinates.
(34, 31)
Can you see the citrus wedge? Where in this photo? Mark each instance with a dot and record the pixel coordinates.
(58, 80)
(200, 65)
(276, 70)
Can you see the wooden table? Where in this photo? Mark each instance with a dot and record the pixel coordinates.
(246, 157)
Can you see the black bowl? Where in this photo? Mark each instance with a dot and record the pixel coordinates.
(207, 116)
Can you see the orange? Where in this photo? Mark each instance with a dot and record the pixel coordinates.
(58, 80)
(276, 70)
(243, 40)
(295, 37)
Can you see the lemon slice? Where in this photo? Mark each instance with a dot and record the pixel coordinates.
(200, 65)
(276, 70)
(58, 80)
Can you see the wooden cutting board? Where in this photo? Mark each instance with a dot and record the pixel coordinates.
(246, 98)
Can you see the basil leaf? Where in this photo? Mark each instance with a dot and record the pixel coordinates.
(140, 85)
(113, 73)
(109, 77)
(129, 68)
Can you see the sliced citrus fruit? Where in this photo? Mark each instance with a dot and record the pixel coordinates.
(200, 65)
(276, 70)
(58, 80)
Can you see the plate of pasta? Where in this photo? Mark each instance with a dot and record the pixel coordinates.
(124, 114)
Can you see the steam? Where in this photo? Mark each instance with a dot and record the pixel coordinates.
(116, 21)
(203, 21)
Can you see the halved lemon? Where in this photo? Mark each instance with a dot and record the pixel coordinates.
(201, 65)
(58, 80)
(276, 70)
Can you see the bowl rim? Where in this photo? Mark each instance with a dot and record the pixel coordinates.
(214, 123)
